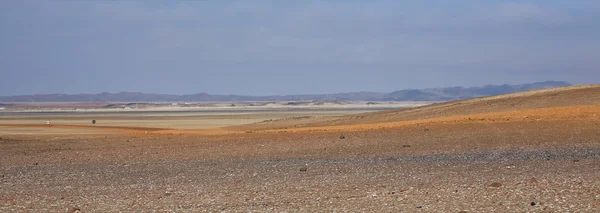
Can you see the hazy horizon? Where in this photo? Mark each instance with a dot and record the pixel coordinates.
(285, 48)
(261, 95)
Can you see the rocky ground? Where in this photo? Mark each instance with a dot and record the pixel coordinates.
(525, 166)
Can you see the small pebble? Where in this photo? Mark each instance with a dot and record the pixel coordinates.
(532, 203)
(533, 180)
(73, 210)
(496, 185)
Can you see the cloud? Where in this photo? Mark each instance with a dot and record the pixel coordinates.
(398, 37)
(351, 33)
(523, 11)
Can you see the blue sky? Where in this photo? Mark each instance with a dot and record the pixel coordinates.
(292, 47)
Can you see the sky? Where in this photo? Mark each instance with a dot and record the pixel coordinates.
(292, 47)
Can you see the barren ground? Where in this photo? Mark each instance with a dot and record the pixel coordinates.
(532, 152)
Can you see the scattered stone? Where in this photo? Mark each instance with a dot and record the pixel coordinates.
(342, 137)
(73, 210)
(532, 203)
(303, 169)
(419, 207)
(463, 212)
(406, 145)
(495, 185)
(36, 163)
(426, 130)
(576, 160)
(93, 121)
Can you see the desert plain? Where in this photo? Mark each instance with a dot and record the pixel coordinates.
(536, 151)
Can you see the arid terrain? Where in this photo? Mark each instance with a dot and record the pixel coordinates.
(536, 151)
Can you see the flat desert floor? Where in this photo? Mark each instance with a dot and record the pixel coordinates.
(527, 152)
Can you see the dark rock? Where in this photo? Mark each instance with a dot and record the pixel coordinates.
(576, 160)
(463, 212)
(406, 145)
(303, 169)
(342, 137)
(532, 203)
(426, 130)
(495, 185)
(419, 207)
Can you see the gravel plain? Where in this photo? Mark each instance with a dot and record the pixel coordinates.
(500, 167)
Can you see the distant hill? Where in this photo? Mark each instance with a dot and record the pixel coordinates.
(433, 94)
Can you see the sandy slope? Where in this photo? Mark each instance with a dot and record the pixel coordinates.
(586, 95)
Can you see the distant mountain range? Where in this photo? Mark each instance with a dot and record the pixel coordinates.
(433, 94)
